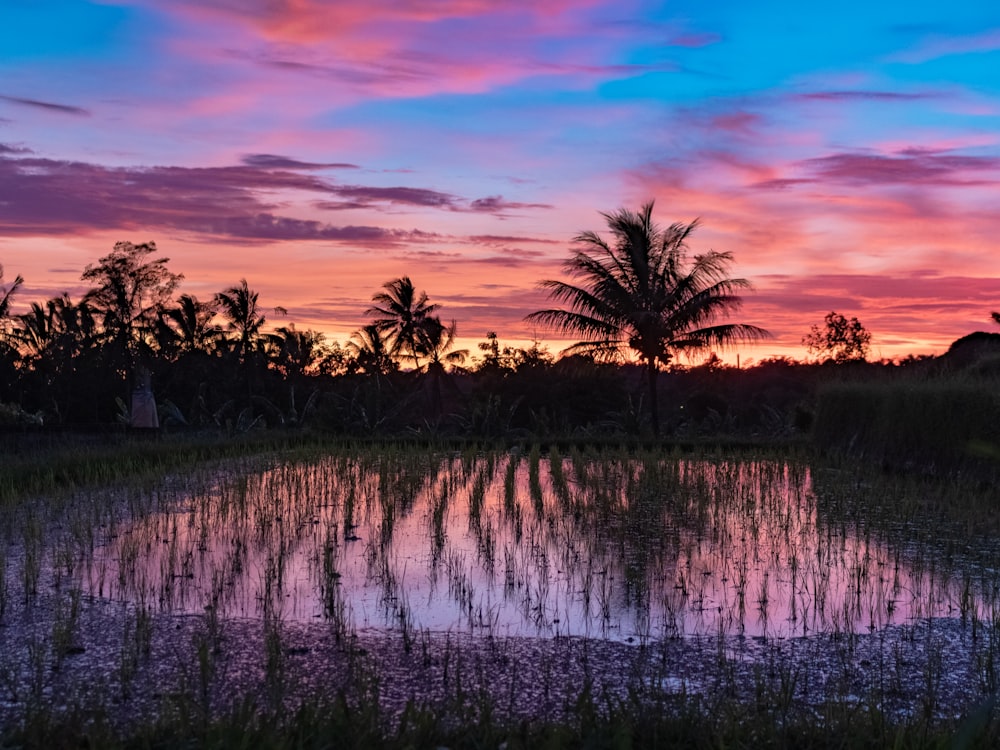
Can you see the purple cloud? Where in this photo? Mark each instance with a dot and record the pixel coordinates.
(837, 96)
(911, 166)
(364, 197)
(59, 197)
(906, 167)
(271, 161)
(50, 106)
(266, 226)
(495, 204)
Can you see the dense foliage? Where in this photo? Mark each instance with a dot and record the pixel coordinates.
(636, 300)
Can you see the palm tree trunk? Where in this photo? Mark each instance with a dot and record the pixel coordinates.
(654, 402)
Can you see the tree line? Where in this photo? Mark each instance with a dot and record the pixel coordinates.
(636, 300)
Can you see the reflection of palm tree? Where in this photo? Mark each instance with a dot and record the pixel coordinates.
(371, 351)
(401, 313)
(238, 305)
(640, 294)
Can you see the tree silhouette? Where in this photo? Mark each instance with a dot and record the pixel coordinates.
(130, 293)
(402, 313)
(840, 339)
(370, 352)
(187, 327)
(435, 344)
(6, 295)
(639, 294)
(60, 349)
(8, 353)
(238, 305)
(301, 353)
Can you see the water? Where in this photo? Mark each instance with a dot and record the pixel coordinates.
(623, 549)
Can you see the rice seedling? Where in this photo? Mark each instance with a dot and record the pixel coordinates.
(726, 558)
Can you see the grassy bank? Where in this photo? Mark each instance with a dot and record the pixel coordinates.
(943, 427)
(687, 723)
(42, 463)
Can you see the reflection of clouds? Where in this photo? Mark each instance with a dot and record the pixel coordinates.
(613, 548)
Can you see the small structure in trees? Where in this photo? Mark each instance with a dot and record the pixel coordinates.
(143, 413)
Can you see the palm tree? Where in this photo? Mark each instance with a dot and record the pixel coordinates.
(641, 295)
(402, 313)
(299, 353)
(238, 305)
(371, 352)
(6, 294)
(37, 330)
(435, 343)
(188, 327)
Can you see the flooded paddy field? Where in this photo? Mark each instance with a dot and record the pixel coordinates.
(514, 580)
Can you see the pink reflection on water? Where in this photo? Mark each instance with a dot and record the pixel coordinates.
(625, 549)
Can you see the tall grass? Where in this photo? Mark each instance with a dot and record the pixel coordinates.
(933, 426)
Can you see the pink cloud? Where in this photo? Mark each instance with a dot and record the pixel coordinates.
(409, 49)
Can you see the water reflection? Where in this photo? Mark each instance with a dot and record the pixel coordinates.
(627, 549)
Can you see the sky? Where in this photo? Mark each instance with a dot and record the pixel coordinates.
(847, 154)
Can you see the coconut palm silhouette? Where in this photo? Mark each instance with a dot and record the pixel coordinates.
(638, 294)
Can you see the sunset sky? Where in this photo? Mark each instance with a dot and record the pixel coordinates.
(847, 154)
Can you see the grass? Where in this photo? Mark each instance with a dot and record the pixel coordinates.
(591, 722)
(941, 426)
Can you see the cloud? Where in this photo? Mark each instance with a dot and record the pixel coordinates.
(908, 167)
(40, 196)
(495, 204)
(393, 49)
(271, 161)
(905, 311)
(842, 96)
(360, 196)
(50, 197)
(49, 106)
(695, 40)
(499, 239)
(936, 46)
(266, 226)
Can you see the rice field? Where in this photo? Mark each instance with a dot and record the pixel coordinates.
(513, 583)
